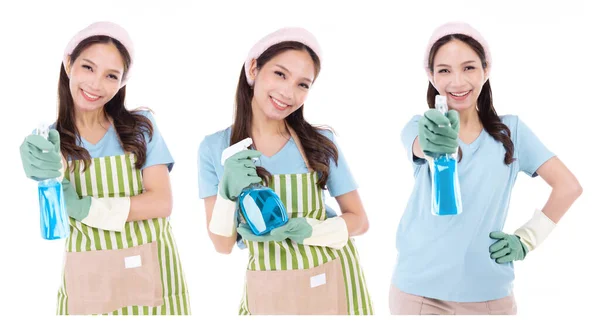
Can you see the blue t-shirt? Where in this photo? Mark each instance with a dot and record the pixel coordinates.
(287, 161)
(447, 257)
(110, 145)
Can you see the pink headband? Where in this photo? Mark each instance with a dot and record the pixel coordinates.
(103, 29)
(286, 34)
(456, 28)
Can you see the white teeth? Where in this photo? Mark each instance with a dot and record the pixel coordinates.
(459, 94)
(90, 96)
(283, 105)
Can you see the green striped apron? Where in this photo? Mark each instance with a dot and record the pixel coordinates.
(116, 176)
(303, 198)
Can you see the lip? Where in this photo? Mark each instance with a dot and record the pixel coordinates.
(85, 96)
(278, 107)
(461, 98)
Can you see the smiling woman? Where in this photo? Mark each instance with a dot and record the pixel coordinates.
(298, 161)
(121, 256)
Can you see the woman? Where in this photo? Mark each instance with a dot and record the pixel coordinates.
(463, 264)
(310, 265)
(121, 257)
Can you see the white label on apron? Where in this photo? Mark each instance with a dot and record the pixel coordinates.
(133, 262)
(318, 280)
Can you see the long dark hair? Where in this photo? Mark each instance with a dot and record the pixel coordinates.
(129, 125)
(487, 113)
(318, 148)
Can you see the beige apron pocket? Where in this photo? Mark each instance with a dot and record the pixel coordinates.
(317, 291)
(99, 282)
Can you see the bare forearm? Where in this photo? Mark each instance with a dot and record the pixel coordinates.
(561, 199)
(150, 205)
(356, 224)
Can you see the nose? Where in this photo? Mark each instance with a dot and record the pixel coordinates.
(95, 81)
(287, 91)
(458, 78)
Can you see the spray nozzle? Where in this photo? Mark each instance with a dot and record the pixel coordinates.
(235, 148)
(42, 130)
(441, 104)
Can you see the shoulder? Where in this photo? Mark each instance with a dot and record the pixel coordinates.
(215, 141)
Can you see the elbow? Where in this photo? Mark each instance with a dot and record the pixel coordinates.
(576, 190)
(166, 207)
(363, 227)
(223, 250)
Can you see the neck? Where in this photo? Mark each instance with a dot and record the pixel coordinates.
(469, 120)
(90, 119)
(266, 127)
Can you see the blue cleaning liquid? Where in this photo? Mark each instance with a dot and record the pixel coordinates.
(446, 198)
(54, 221)
(262, 209)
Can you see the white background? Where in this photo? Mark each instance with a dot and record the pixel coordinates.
(189, 56)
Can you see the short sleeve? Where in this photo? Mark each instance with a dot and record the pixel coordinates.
(531, 152)
(157, 151)
(208, 181)
(340, 179)
(409, 134)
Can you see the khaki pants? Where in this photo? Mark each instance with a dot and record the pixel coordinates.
(407, 304)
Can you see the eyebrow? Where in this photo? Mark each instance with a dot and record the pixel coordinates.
(285, 69)
(110, 70)
(446, 65)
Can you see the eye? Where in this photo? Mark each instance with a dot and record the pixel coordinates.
(111, 76)
(469, 68)
(280, 74)
(443, 71)
(304, 85)
(87, 67)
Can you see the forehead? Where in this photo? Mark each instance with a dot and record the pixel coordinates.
(298, 62)
(455, 52)
(101, 54)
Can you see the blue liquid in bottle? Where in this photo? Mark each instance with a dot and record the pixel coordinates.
(445, 198)
(262, 209)
(445, 189)
(54, 221)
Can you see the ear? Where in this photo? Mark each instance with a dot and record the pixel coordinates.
(68, 65)
(253, 69)
(486, 75)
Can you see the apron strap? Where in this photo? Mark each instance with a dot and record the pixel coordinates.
(299, 145)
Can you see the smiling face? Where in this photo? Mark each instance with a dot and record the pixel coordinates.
(282, 84)
(458, 74)
(95, 76)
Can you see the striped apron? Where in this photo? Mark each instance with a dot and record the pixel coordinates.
(293, 279)
(133, 272)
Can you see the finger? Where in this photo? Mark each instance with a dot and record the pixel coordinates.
(43, 165)
(39, 142)
(440, 140)
(506, 259)
(500, 244)
(37, 154)
(44, 174)
(245, 154)
(453, 116)
(437, 117)
(504, 251)
(54, 138)
(498, 235)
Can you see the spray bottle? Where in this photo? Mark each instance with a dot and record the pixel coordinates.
(259, 206)
(54, 221)
(445, 197)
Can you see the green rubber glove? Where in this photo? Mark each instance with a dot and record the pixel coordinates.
(439, 140)
(37, 164)
(239, 172)
(296, 229)
(508, 248)
(77, 207)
